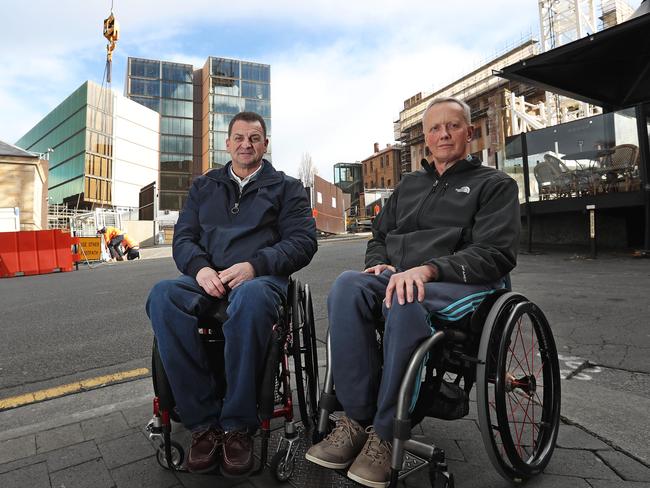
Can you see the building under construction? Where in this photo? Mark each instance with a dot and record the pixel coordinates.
(502, 108)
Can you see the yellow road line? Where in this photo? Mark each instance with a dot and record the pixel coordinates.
(58, 391)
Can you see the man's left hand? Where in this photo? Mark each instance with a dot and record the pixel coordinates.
(402, 284)
(237, 274)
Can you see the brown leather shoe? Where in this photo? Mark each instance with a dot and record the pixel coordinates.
(237, 454)
(205, 450)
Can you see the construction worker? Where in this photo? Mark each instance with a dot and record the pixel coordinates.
(119, 243)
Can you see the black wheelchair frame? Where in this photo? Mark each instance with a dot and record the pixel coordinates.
(294, 337)
(507, 348)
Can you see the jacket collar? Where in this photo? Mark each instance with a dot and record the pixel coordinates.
(465, 164)
(268, 175)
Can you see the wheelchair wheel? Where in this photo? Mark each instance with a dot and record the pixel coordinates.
(281, 467)
(305, 357)
(177, 455)
(161, 386)
(518, 388)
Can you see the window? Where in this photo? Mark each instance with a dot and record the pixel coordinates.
(319, 197)
(224, 86)
(176, 72)
(225, 67)
(262, 107)
(382, 182)
(261, 91)
(150, 88)
(333, 202)
(171, 89)
(145, 68)
(227, 105)
(255, 72)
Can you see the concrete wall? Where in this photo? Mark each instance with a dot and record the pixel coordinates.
(23, 184)
(329, 207)
(136, 150)
(142, 231)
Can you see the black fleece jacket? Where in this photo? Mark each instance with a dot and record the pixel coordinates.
(465, 222)
(272, 227)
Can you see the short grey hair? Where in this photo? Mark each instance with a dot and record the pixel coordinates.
(467, 112)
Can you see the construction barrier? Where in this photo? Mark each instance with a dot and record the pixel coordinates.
(36, 252)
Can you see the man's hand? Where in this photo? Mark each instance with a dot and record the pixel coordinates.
(237, 274)
(208, 279)
(378, 269)
(402, 284)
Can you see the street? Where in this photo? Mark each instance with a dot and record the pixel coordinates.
(60, 328)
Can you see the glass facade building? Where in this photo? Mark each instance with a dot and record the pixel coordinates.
(168, 89)
(232, 86)
(79, 131)
(195, 108)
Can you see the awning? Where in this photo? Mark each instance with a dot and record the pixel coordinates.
(610, 68)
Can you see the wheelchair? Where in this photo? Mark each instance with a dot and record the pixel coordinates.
(293, 337)
(507, 348)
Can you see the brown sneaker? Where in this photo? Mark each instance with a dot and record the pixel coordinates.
(372, 466)
(205, 450)
(340, 447)
(237, 454)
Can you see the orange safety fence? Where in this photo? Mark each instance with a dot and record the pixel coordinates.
(36, 252)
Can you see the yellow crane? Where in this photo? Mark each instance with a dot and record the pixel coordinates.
(112, 33)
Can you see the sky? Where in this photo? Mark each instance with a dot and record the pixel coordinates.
(340, 69)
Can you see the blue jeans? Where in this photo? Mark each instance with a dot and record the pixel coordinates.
(355, 306)
(173, 307)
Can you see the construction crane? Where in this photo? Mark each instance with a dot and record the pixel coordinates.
(112, 33)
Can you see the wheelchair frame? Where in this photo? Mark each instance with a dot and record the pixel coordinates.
(292, 337)
(504, 383)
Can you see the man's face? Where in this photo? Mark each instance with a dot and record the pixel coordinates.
(246, 144)
(446, 132)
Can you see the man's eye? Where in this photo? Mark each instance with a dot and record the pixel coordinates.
(255, 140)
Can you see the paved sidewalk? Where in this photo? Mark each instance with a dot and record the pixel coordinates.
(97, 439)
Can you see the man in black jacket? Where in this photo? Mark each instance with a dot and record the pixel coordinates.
(243, 230)
(445, 239)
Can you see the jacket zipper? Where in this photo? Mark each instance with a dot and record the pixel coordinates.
(235, 209)
(432, 191)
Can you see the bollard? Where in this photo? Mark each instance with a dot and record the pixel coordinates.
(592, 229)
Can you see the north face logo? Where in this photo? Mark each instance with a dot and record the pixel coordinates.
(463, 189)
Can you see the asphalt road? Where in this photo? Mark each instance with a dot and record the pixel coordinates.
(58, 328)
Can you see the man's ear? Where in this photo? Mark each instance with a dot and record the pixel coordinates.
(470, 132)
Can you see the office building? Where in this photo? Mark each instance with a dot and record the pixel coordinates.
(196, 107)
(168, 89)
(101, 148)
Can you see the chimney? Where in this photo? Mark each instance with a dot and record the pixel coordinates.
(376, 147)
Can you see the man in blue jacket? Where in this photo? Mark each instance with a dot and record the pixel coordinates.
(444, 240)
(243, 230)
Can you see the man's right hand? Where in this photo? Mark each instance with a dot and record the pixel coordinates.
(378, 269)
(208, 279)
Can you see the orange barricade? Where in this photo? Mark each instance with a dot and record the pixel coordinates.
(36, 252)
